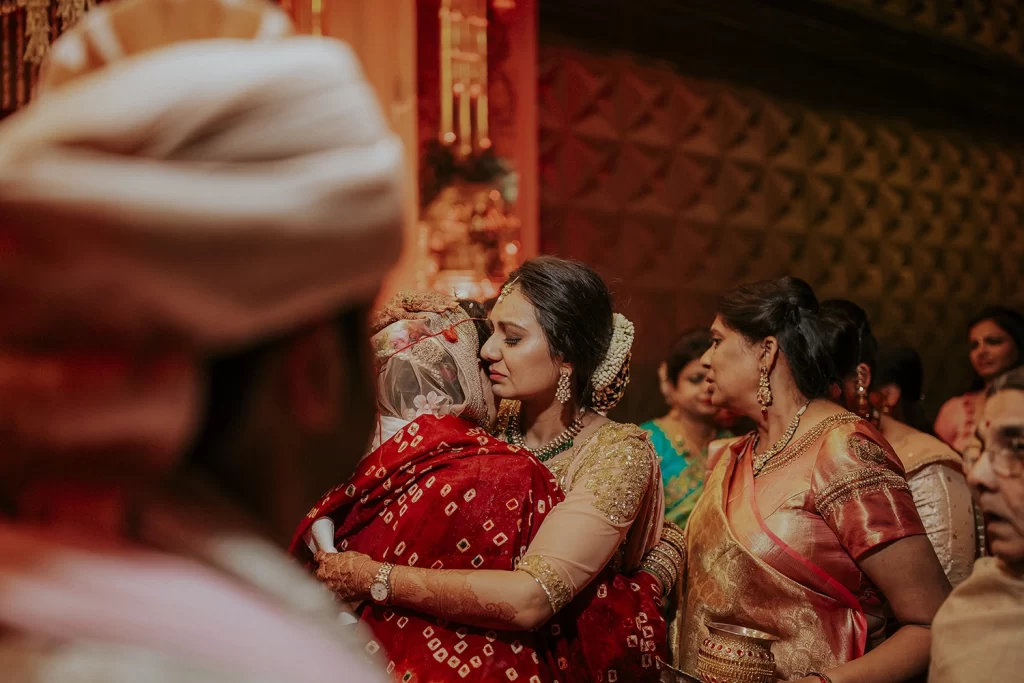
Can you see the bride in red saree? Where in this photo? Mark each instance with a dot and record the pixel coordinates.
(439, 492)
(807, 529)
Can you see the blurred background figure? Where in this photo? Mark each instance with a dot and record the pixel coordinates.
(997, 345)
(979, 630)
(898, 384)
(681, 436)
(192, 239)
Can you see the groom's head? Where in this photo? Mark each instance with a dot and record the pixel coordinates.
(190, 268)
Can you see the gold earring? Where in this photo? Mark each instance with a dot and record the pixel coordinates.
(863, 407)
(563, 392)
(764, 391)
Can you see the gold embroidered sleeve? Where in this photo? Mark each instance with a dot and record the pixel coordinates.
(616, 466)
(856, 484)
(558, 592)
(860, 491)
(866, 450)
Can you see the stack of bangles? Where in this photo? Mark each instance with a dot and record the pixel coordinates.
(668, 558)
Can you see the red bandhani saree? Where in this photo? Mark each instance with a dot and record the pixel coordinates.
(444, 494)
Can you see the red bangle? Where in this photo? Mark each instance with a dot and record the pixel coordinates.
(822, 677)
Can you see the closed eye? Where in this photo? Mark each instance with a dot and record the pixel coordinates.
(512, 341)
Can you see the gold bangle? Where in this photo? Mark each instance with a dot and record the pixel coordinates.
(665, 571)
(674, 562)
(668, 552)
(672, 531)
(673, 543)
(675, 539)
(661, 562)
(658, 573)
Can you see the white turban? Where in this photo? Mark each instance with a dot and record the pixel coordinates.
(202, 195)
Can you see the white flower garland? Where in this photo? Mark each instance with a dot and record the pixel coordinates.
(622, 342)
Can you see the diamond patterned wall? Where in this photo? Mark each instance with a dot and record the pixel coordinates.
(676, 188)
(992, 25)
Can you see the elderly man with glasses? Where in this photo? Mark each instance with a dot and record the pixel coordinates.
(979, 632)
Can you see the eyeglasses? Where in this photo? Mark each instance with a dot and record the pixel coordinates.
(1006, 461)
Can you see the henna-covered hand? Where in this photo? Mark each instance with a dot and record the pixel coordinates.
(449, 595)
(348, 574)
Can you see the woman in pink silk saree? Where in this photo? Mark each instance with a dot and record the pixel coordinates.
(807, 529)
(438, 491)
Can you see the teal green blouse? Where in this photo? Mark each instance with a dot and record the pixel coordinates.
(682, 473)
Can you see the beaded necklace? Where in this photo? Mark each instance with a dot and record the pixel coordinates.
(561, 443)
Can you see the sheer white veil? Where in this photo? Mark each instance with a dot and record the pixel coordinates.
(427, 357)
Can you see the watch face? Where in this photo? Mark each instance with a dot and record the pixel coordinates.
(379, 591)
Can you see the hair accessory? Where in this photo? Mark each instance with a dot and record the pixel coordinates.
(506, 290)
(611, 378)
(410, 305)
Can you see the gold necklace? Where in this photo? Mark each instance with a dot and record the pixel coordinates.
(563, 442)
(761, 460)
(798, 447)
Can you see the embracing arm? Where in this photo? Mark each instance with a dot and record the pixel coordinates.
(571, 547)
(573, 544)
(507, 600)
(911, 578)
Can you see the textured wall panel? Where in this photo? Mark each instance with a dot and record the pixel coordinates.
(676, 188)
(991, 25)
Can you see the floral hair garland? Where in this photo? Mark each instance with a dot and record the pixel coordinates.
(612, 375)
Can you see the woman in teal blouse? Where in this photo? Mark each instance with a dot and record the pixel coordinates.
(682, 436)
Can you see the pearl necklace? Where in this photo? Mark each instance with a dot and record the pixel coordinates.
(561, 443)
(761, 460)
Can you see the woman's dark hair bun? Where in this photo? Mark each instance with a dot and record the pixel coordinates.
(788, 310)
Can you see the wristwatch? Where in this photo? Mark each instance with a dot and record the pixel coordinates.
(380, 588)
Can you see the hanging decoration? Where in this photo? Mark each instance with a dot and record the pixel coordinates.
(27, 28)
(469, 231)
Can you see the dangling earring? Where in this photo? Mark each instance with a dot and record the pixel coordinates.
(563, 393)
(863, 405)
(764, 391)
